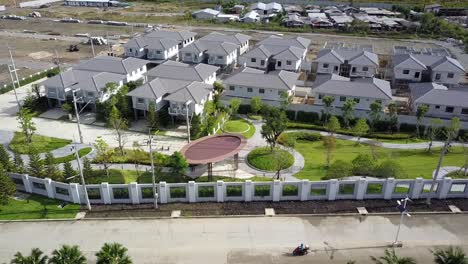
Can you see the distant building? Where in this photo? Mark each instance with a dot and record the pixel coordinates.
(435, 8)
(92, 3)
(251, 17)
(237, 9)
(206, 13)
(266, 9)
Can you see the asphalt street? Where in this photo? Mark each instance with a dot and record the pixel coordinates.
(242, 240)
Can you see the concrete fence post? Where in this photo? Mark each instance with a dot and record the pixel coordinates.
(417, 189)
(134, 193)
(305, 190)
(446, 184)
(219, 191)
(389, 187)
(248, 191)
(163, 192)
(105, 193)
(26, 183)
(191, 192)
(277, 189)
(49, 188)
(74, 193)
(361, 188)
(332, 189)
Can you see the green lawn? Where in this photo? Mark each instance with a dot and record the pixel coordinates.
(460, 174)
(39, 143)
(37, 207)
(263, 158)
(82, 152)
(240, 126)
(417, 163)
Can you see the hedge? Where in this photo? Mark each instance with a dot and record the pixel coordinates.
(48, 73)
(233, 191)
(290, 190)
(262, 190)
(244, 109)
(177, 192)
(308, 117)
(206, 191)
(289, 136)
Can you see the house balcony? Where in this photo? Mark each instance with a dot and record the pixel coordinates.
(179, 111)
(141, 106)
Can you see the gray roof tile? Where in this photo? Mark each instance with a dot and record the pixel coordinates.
(182, 71)
(282, 80)
(436, 94)
(370, 88)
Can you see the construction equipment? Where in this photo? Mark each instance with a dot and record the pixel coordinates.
(73, 48)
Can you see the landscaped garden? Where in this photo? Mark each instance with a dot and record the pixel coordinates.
(38, 144)
(240, 126)
(267, 159)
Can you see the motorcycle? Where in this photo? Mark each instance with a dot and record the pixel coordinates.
(301, 251)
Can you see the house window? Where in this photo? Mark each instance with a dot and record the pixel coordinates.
(158, 52)
(130, 50)
(437, 77)
(231, 88)
(449, 109)
(405, 71)
(325, 65)
(140, 100)
(365, 68)
(220, 57)
(262, 91)
(253, 60)
(288, 62)
(437, 107)
(262, 62)
(279, 63)
(450, 75)
(320, 96)
(416, 74)
(342, 98)
(464, 111)
(357, 100)
(249, 90)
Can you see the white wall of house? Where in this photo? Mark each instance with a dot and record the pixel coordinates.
(330, 68)
(244, 47)
(288, 65)
(211, 79)
(140, 103)
(362, 70)
(222, 59)
(135, 52)
(158, 54)
(190, 57)
(186, 42)
(257, 63)
(363, 102)
(136, 75)
(249, 92)
(179, 109)
(407, 74)
(443, 111)
(446, 77)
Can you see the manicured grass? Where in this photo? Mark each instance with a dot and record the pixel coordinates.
(37, 207)
(416, 163)
(135, 156)
(39, 143)
(265, 159)
(255, 117)
(82, 152)
(460, 174)
(240, 126)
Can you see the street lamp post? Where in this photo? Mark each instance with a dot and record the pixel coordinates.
(403, 211)
(153, 178)
(187, 104)
(88, 203)
(77, 113)
(12, 69)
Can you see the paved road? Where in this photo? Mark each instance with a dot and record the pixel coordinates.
(241, 240)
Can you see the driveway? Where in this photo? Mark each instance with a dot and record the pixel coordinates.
(241, 240)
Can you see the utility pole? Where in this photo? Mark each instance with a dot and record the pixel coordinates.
(92, 45)
(153, 178)
(88, 204)
(12, 69)
(187, 104)
(108, 44)
(403, 212)
(77, 115)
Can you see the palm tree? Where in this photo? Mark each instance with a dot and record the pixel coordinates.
(36, 257)
(113, 253)
(67, 255)
(391, 257)
(452, 255)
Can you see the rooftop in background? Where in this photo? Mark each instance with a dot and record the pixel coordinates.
(182, 71)
(341, 45)
(436, 94)
(213, 148)
(424, 51)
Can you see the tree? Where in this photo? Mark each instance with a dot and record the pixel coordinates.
(7, 186)
(333, 125)
(26, 123)
(435, 127)
(113, 253)
(152, 120)
(234, 104)
(348, 109)
(119, 124)
(178, 163)
(329, 143)
(218, 88)
(104, 153)
(392, 115)
(195, 127)
(256, 104)
(5, 159)
(36, 257)
(420, 113)
(51, 169)
(374, 113)
(328, 106)
(68, 171)
(35, 166)
(18, 163)
(339, 169)
(390, 169)
(275, 123)
(67, 255)
(87, 168)
(451, 255)
(391, 257)
(286, 100)
(451, 132)
(363, 165)
(360, 128)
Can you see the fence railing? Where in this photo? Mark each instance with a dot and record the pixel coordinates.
(247, 191)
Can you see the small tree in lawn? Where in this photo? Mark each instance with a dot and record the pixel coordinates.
(35, 166)
(333, 125)
(451, 255)
(5, 159)
(329, 142)
(234, 104)
(286, 100)
(87, 168)
(392, 116)
(256, 104)
(360, 128)
(67, 255)
(51, 169)
(68, 171)
(420, 113)
(104, 153)
(348, 109)
(36, 257)
(435, 127)
(119, 124)
(195, 127)
(178, 163)
(374, 113)
(113, 253)
(18, 163)
(26, 123)
(152, 120)
(328, 106)
(275, 123)
(7, 186)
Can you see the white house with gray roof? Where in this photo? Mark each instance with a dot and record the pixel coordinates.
(183, 37)
(421, 67)
(364, 91)
(347, 62)
(155, 49)
(276, 53)
(443, 102)
(181, 71)
(206, 13)
(252, 82)
(241, 40)
(90, 79)
(221, 54)
(266, 8)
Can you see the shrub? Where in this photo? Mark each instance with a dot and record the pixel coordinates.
(392, 136)
(262, 190)
(290, 190)
(308, 117)
(363, 165)
(244, 109)
(291, 136)
(339, 169)
(390, 169)
(206, 191)
(233, 191)
(410, 128)
(177, 192)
(291, 114)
